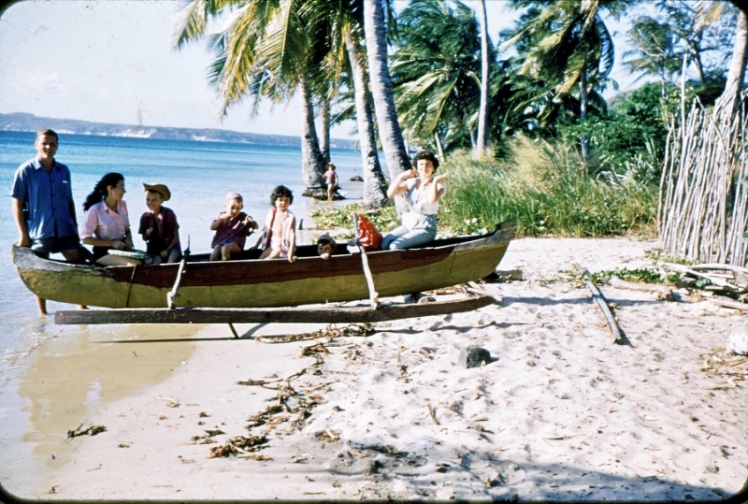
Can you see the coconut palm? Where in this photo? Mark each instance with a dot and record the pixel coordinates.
(390, 133)
(274, 49)
(267, 50)
(345, 65)
(570, 49)
(435, 73)
(485, 83)
(375, 192)
(653, 50)
(728, 102)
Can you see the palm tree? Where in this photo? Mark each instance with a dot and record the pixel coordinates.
(728, 102)
(343, 20)
(485, 83)
(571, 47)
(267, 50)
(435, 73)
(654, 51)
(375, 192)
(381, 87)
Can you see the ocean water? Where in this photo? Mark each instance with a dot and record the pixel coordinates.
(199, 174)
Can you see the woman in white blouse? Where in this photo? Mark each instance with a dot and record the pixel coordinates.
(422, 195)
(107, 224)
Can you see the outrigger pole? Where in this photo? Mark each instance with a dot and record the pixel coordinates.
(312, 314)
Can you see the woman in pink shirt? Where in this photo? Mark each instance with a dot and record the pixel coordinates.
(107, 224)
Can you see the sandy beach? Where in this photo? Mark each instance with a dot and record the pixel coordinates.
(310, 412)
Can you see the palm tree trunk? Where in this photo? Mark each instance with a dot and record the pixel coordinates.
(727, 103)
(482, 142)
(439, 147)
(375, 186)
(324, 140)
(583, 99)
(390, 133)
(312, 160)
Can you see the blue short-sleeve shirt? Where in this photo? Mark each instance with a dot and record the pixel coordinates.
(48, 198)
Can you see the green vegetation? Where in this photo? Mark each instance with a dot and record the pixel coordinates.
(545, 187)
(641, 275)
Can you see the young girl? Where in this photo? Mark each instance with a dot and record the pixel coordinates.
(232, 226)
(159, 227)
(280, 226)
(331, 179)
(107, 224)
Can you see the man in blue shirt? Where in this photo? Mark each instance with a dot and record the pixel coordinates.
(43, 205)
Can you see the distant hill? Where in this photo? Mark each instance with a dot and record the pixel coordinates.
(18, 121)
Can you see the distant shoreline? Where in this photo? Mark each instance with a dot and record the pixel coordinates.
(24, 122)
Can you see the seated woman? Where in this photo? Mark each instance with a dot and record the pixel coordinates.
(422, 192)
(107, 224)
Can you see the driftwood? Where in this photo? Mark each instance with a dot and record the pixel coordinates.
(474, 288)
(662, 291)
(726, 280)
(729, 303)
(598, 297)
(322, 314)
(623, 284)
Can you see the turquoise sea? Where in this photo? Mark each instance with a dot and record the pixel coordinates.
(199, 174)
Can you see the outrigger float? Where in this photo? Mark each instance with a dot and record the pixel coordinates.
(250, 290)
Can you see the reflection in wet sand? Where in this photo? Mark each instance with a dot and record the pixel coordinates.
(67, 380)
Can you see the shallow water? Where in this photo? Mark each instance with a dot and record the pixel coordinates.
(54, 377)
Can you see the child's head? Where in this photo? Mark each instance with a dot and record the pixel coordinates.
(281, 192)
(234, 203)
(155, 195)
(330, 166)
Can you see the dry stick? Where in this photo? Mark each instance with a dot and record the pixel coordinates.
(433, 415)
(603, 304)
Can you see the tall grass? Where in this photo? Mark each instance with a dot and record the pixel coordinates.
(546, 188)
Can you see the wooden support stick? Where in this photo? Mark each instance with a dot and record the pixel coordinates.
(373, 295)
(173, 292)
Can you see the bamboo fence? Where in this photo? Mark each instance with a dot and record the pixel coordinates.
(703, 203)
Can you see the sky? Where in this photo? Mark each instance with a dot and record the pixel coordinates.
(113, 61)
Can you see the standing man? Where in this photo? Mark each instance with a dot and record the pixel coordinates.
(43, 205)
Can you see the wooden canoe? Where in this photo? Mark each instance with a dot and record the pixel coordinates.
(252, 283)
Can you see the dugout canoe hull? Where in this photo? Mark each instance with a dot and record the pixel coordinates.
(253, 283)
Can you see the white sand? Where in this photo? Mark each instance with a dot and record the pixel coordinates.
(562, 413)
